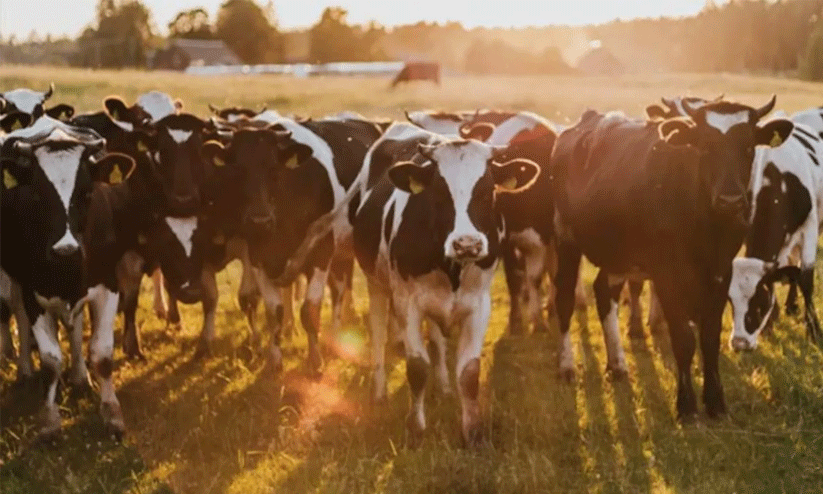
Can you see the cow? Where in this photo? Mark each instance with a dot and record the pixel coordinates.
(293, 177)
(418, 71)
(528, 248)
(440, 122)
(49, 171)
(427, 235)
(813, 117)
(234, 113)
(664, 200)
(676, 106)
(787, 209)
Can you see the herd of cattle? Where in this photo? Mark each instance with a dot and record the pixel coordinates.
(427, 208)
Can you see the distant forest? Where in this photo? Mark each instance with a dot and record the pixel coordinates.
(753, 36)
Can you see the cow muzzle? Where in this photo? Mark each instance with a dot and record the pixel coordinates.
(743, 344)
(66, 246)
(467, 248)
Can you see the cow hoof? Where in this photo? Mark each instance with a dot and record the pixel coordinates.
(414, 431)
(687, 418)
(617, 372)
(134, 354)
(203, 350)
(473, 436)
(113, 419)
(792, 310)
(80, 390)
(50, 424)
(566, 375)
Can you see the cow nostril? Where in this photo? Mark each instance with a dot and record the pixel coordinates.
(740, 344)
(467, 246)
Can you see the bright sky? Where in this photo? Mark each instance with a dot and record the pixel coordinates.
(69, 17)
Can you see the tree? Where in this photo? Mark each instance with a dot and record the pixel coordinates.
(191, 24)
(121, 37)
(246, 29)
(811, 67)
(334, 40)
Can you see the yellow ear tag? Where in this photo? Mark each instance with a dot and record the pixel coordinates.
(17, 125)
(292, 162)
(218, 161)
(116, 176)
(8, 180)
(510, 183)
(141, 146)
(141, 239)
(219, 240)
(414, 186)
(776, 140)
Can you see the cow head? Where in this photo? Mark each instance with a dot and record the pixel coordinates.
(752, 296)
(234, 113)
(175, 145)
(267, 166)
(25, 100)
(676, 107)
(150, 107)
(725, 134)
(51, 174)
(459, 179)
(439, 122)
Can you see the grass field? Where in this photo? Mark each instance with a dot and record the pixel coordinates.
(227, 424)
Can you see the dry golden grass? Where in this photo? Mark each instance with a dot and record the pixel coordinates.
(227, 424)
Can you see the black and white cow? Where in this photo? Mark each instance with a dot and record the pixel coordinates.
(528, 249)
(428, 235)
(48, 171)
(293, 176)
(675, 209)
(440, 122)
(787, 191)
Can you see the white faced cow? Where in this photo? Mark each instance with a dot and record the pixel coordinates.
(427, 235)
(787, 191)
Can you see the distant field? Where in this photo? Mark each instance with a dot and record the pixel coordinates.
(227, 424)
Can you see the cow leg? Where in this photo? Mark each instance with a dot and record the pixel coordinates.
(438, 344)
(159, 299)
(51, 362)
(105, 304)
(417, 364)
(710, 329)
(129, 274)
(534, 261)
(514, 281)
(656, 319)
(468, 367)
(25, 364)
(580, 299)
(607, 296)
(6, 344)
(310, 317)
(79, 378)
(807, 263)
(682, 339)
(274, 312)
(568, 271)
(338, 286)
(208, 278)
(792, 308)
(636, 317)
(379, 313)
(248, 296)
(173, 311)
(287, 296)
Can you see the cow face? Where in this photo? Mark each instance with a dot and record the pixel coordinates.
(175, 145)
(268, 167)
(51, 178)
(726, 134)
(752, 297)
(25, 101)
(459, 179)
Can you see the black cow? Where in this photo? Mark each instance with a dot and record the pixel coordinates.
(428, 235)
(48, 172)
(675, 209)
(293, 176)
(418, 71)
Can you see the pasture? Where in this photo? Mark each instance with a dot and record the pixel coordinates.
(228, 424)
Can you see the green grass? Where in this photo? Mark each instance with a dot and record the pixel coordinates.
(227, 424)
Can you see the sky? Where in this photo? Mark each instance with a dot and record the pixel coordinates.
(69, 17)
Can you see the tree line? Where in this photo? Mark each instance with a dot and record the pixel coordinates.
(754, 36)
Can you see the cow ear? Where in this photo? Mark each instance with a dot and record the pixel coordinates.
(480, 131)
(410, 177)
(113, 168)
(117, 109)
(62, 112)
(214, 153)
(677, 132)
(15, 121)
(774, 133)
(514, 175)
(293, 153)
(655, 112)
